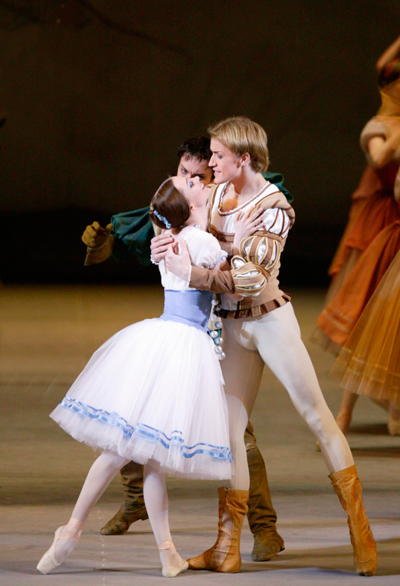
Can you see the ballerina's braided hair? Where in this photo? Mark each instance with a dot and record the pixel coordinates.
(169, 207)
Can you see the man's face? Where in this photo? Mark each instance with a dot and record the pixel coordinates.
(224, 163)
(190, 167)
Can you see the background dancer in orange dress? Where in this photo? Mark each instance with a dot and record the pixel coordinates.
(357, 236)
(371, 239)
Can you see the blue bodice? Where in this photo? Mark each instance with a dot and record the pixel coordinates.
(188, 307)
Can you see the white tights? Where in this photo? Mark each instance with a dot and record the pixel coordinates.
(274, 339)
(156, 499)
(238, 419)
(99, 477)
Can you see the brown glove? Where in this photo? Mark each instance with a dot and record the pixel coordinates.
(99, 241)
(95, 236)
(248, 278)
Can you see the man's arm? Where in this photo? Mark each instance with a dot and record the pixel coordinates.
(215, 281)
(244, 278)
(132, 233)
(128, 236)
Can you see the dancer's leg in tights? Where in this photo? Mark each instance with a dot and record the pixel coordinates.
(343, 418)
(99, 477)
(241, 388)
(237, 425)
(233, 495)
(276, 338)
(156, 500)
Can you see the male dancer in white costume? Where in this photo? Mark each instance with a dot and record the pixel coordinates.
(262, 330)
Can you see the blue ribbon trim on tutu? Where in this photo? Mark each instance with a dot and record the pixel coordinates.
(147, 433)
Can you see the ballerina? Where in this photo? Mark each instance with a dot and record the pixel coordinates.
(153, 393)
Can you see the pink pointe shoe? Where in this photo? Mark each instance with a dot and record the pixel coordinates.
(66, 541)
(168, 549)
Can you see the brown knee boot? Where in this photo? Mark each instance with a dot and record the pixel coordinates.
(261, 515)
(349, 490)
(133, 508)
(224, 556)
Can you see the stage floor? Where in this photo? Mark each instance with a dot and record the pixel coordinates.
(46, 335)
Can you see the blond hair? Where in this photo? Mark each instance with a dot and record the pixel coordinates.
(241, 135)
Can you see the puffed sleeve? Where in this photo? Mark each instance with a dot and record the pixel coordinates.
(243, 276)
(263, 248)
(204, 252)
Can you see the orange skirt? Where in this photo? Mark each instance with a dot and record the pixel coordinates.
(340, 316)
(369, 184)
(369, 363)
(373, 208)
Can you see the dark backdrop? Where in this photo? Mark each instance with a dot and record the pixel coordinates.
(98, 95)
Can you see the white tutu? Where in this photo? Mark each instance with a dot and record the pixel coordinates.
(154, 391)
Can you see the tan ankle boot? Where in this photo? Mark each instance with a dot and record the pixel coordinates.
(224, 556)
(261, 515)
(349, 490)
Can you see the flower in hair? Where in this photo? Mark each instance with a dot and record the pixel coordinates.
(162, 219)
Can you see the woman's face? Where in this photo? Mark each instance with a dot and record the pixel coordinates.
(225, 164)
(194, 190)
